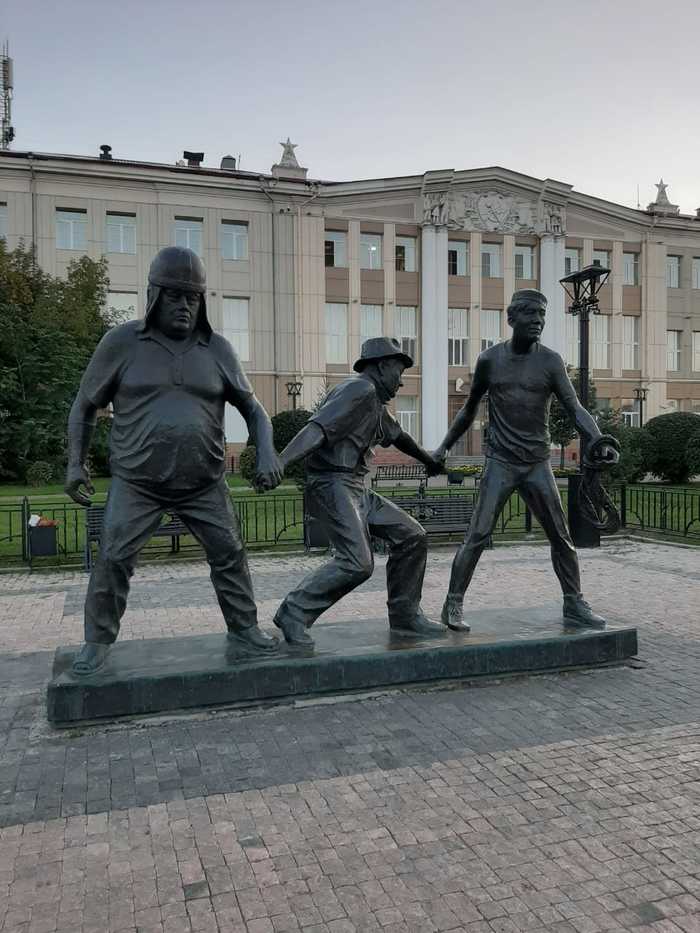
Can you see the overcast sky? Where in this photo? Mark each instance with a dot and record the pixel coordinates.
(602, 95)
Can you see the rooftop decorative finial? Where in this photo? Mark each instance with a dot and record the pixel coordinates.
(288, 167)
(662, 205)
(288, 157)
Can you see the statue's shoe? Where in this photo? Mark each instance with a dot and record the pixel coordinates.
(253, 639)
(90, 659)
(453, 614)
(415, 625)
(294, 632)
(577, 612)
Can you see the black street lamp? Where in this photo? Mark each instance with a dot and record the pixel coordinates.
(640, 393)
(583, 288)
(294, 391)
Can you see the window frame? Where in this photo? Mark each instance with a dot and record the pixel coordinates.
(335, 238)
(73, 223)
(600, 343)
(520, 251)
(461, 250)
(200, 229)
(120, 226)
(492, 250)
(366, 251)
(225, 234)
(489, 314)
(458, 343)
(376, 310)
(634, 265)
(408, 341)
(673, 271)
(673, 353)
(339, 337)
(630, 346)
(408, 417)
(238, 337)
(408, 244)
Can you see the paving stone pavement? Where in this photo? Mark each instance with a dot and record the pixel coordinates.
(566, 803)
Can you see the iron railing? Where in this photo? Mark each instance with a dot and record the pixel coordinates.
(278, 521)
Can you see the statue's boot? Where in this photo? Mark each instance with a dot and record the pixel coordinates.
(90, 658)
(577, 612)
(453, 613)
(415, 625)
(294, 632)
(254, 640)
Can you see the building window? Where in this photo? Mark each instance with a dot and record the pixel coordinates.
(601, 257)
(696, 272)
(336, 250)
(572, 339)
(3, 221)
(696, 351)
(405, 254)
(406, 331)
(572, 260)
(458, 336)
(490, 327)
(71, 230)
(370, 322)
(600, 341)
(336, 333)
(491, 260)
(673, 271)
(187, 232)
(234, 240)
(370, 251)
(630, 415)
(236, 326)
(121, 307)
(457, 257)
(673, 351)
(524, 257)
(407, 413)
(630, 342)
(121, 233)
(630, 268)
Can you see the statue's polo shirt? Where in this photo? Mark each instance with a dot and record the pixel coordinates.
(168, 425)
(353, 419)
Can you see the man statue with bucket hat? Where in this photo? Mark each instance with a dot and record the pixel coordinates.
(168, 379)
(337, 443)
(520, 377)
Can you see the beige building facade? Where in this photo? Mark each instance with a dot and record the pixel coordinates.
(299, 272)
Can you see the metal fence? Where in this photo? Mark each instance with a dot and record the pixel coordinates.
(278, 521)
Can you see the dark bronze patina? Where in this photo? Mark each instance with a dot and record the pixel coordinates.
(337, 442)
(168, 379)
(520, 377)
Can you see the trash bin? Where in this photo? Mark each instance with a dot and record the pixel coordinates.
(42, 541)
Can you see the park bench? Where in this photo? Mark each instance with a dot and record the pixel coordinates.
(173, 527)
(398, 472)
(439, 515)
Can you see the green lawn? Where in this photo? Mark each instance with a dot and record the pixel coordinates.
(15, 493)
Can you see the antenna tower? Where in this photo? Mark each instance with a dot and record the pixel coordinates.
(6, 85)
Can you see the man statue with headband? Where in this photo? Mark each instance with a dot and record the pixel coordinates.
(520, 377)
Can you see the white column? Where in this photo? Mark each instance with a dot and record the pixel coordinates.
(508, 281)
(616, 330)
(389, 240)
(551, 270)
(433, 356)
(475, 292)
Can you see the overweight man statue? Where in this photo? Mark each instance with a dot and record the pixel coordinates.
(168, 379)
(520, 377)
(337, 442)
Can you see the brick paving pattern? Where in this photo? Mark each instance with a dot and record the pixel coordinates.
(566, 803)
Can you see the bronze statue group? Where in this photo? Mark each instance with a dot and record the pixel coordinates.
(168, 378)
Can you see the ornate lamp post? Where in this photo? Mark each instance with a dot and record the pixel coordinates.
(582, 287)
(640, 393)
(294, 391)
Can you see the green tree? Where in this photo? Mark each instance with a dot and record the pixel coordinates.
(561, 427)
(692, 452)
(667, 446)
(49, 328)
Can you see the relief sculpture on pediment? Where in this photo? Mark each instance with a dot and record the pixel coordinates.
(493, 212)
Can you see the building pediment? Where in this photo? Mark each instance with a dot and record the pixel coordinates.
(493, 209)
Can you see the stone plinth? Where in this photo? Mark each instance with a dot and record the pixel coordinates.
(160, 674)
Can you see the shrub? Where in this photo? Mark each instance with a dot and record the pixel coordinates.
(635, 446)
(665, 453)
(692, 452)
(285, 426)
(39, 473)
(246, 464)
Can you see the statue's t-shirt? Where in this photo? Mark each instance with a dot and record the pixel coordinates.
(168, 405)
(354, 420)
(520, 388)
